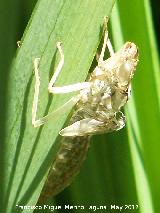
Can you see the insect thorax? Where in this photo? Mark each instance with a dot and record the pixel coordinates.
(100, 104)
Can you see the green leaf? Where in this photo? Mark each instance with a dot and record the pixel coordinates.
(29, 153)
(143, 108)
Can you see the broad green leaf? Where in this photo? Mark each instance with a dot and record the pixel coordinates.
(78, 25)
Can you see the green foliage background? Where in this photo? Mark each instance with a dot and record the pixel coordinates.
(122, 167)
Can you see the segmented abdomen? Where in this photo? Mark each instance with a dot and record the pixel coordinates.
(70, 156)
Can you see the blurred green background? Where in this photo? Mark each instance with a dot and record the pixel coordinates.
(122, 168)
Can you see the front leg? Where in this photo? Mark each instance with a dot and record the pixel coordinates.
(106, 43)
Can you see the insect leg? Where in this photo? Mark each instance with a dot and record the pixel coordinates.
(65, 106)
(68, 88)
(106, 42)
(41, 121)
(59, 68)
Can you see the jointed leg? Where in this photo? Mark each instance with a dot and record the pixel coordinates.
(65, 106)
(54, 90)
(44, 119)
(106, 42)
(59, 68)
(68, 88)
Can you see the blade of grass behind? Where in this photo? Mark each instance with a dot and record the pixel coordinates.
(143, 109)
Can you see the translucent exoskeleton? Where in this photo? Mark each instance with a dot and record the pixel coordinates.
(97, 109)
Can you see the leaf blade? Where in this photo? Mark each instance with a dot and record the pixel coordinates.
(50, 23)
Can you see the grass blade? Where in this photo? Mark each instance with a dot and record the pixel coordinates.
(142, 109)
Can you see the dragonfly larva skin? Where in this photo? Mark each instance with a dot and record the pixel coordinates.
(72, 152)
(99, 105)
(97, 110)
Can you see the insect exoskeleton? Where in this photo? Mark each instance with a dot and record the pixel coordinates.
(97, 109)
